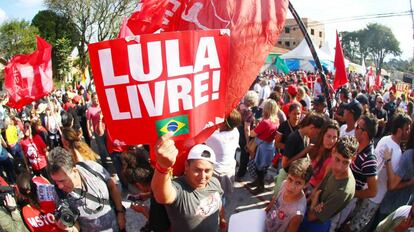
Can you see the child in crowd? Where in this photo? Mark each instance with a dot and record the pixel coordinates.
(286, 210)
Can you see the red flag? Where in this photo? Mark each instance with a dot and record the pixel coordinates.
(29, 77)
(254, 29)
(378, 82)
(340, 72)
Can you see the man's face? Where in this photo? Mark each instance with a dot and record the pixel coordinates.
(198, 173)
(339, 163)
(379, 102)
(314, 132)
(294, 184)
(405, 132)
(319, 108)
(348, 115)
(63, 180)
(360, 129)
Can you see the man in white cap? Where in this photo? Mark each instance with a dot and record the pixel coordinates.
(193, 201)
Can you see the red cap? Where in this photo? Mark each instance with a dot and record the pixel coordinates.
(292, 90)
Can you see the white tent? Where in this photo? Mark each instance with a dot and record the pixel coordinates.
(328, 50)
(303, 52)
(301, 58)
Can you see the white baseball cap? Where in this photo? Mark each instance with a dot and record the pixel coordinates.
(201, 151)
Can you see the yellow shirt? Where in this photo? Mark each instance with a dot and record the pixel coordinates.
(12, 136)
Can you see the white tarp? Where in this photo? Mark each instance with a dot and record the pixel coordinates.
(303, 52)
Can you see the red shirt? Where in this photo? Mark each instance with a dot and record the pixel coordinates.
(43, 219)
(94, 113)
(68, 105)
(34, 150)
(266, 130)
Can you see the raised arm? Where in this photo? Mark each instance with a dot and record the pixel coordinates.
(166, 154)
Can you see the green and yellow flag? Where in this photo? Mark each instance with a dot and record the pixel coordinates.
(178, 125)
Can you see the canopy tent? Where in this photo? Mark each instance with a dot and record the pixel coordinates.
(301, 58)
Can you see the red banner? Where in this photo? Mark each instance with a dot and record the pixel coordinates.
(29, 77)
(169, 82)
(254, 24)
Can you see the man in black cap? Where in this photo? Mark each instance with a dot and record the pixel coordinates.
(352, 112)
(319, 105)
(363, 99)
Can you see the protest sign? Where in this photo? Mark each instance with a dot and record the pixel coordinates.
(159, 83)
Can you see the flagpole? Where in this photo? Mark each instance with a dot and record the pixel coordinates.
(314, 55)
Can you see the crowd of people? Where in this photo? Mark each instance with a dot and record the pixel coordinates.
(349, 168)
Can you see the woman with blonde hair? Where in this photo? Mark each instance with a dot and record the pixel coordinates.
(73, 143)
(265, 133)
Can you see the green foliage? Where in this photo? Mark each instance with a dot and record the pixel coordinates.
(17, 37)
(400, 65)
(53, 27)
(62, 34)
(375, 41)
(96, 20)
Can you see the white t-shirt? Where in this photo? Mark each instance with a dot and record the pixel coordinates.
(257, 87)
(264, 92)
(343, 132)
(224, 144)
(385, 142)
(308, 101)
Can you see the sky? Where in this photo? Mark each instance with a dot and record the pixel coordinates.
(321, 10)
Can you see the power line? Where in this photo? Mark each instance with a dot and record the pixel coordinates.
(357, 18)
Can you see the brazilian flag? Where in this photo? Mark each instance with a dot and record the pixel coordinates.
(178, 125)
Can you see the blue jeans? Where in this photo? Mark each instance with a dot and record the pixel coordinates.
(17, 151)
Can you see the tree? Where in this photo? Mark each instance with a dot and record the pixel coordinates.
(354, 45)
(380, 42)
(350, 45)
(61, 32)
(17, 37)
(95, 20)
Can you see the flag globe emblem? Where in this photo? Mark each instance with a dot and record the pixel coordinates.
(172, 126)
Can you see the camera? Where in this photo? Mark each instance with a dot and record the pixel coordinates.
(66, 213)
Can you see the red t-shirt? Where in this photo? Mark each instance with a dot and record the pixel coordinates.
(93, 113)
(68, 105)
(43, 219)
(266, 130)
(318, 175)
(34, 150)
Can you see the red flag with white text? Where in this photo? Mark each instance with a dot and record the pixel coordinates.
(29, 77)
(339, 63)
(173, 81)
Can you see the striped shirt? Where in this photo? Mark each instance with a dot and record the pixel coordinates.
(364, 166)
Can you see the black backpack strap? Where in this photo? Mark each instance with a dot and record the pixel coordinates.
(89, 169)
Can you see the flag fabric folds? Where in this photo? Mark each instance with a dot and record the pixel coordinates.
(254, 28)
(28, 77)
(339, 63)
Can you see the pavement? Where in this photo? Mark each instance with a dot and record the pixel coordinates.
(242, 199)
